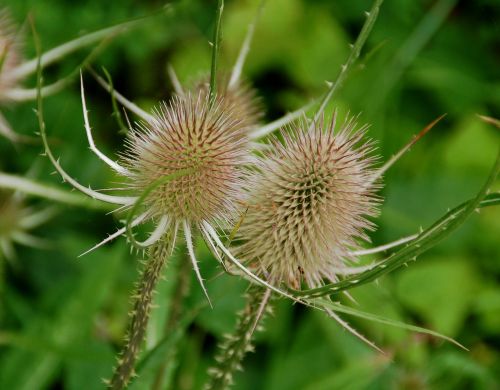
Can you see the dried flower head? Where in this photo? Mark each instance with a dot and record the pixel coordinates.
(10, 54)
(308, 203)
(188, 134)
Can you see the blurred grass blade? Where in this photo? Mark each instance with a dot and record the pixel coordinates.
(488, 119)
(410, 49)
(215, 52)
(339, 308)
(425, 240)
(64, 49)
(46, 191)
(22, 94)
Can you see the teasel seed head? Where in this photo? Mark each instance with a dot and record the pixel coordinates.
(308, 203)
(188, 134)
(10, 52)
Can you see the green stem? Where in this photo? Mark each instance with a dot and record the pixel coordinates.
(356, 50)
(175, 313)
(153, 269)
(234, 347)
(215, 52)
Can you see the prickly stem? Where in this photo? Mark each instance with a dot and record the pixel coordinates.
(233, 348)
(151, 274)
(175, 313)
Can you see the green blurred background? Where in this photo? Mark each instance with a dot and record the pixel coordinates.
(63, 317)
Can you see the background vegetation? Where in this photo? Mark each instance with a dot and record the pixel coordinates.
(63, 317)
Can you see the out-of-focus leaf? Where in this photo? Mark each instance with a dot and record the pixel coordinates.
(486, 305)
(25, 370)
(338, 307)
(440, 291)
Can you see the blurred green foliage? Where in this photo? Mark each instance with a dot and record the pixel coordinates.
(63, 318)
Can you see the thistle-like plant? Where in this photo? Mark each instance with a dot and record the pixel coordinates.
(183, 168)
(14, 68)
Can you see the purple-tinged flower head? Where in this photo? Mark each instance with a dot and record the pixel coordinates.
(10, 52)
(308, 203)
(188, 134)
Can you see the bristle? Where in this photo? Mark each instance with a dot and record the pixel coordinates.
(308, 202)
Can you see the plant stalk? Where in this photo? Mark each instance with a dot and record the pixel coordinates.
(153, 270)
(175, 313)
(234, 347)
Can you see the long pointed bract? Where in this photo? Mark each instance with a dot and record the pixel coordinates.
(278, 123)
(113, 164)
(189, 244)
(399, 154)
(384, 247)
(116, 234)
(159, 231)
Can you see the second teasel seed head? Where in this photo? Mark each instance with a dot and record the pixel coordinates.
(309, 203)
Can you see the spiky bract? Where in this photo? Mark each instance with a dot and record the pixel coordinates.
(188, 134)
(308, 202)
(10, 52)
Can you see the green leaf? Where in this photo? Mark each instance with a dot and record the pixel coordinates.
(440, 303)
(338, 307)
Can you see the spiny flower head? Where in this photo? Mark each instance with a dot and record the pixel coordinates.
(188, 134)
(308, 203)
(10, 56)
